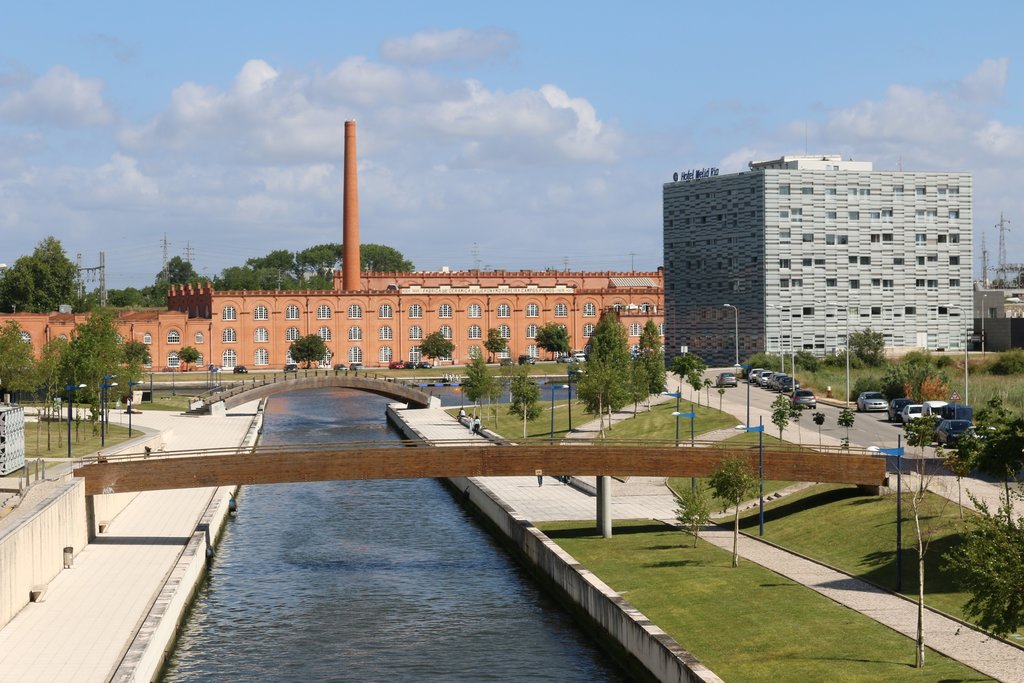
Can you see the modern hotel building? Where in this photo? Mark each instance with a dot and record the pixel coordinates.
(809, 248)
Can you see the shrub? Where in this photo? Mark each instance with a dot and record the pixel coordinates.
(944, 361)
(868, 383)
(764, 360)
(806, 360)
(1009, 363)
(838, 360)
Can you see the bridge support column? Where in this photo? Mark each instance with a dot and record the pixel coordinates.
(604, 506)
(90, 517)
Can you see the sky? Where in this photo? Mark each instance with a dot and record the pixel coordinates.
(493, 135)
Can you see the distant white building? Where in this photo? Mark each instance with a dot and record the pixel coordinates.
(808, 247)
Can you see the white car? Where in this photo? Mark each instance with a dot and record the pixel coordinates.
(911, 411)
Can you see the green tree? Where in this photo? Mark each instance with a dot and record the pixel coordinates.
(694, 511)
(49, 377)
(869, 346)
(604, 383)
(690, 367)
(845, 420)
(990, 567)
(494, 343)
(782, 412)
(308, 350)
(479, 383)
(435, 346)
(378, 258)
(733, 481)
(1001, 452)
(553, 338)
(525, 395)
(41, 282)
(651, 359)
(180, 271)
(95, 352)
(319, 261)
(188, 355)
(961, 461)
(819, 419)
(17, 361)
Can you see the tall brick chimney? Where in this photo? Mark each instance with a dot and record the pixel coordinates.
(350, 266)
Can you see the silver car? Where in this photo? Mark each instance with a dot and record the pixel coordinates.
(871, 401)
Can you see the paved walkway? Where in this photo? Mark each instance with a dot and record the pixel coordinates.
(648, 498)
(90, 613)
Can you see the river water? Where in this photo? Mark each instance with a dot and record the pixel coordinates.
(368, 581)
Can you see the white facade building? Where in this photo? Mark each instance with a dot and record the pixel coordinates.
(808, 248)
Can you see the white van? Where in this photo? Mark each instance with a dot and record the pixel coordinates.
(932, 408)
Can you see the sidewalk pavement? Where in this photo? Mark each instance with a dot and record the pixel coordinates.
(90, 614)
(649, 498)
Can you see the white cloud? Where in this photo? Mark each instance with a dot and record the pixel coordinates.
(61, 98)
(461, 45)
(986, 83)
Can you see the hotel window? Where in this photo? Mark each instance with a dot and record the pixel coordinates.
(291, 334)
(808, 237)
(941, 239)
(830, 191)
(385, 333)
(830, 215)
(853, 215)
(531, 350)
(446, 331)
(919, 282)
(898, 261)
(852, 260)
(634, 330)
(504, 331)
(954, 283)
(561, 310)
(147, 338)
(229, 358)
(854, 284)
(261, 335)
(173, 337)
(504, 311)
(473, 311)
(355, 312)
(919, 191)
(876, 239)
(842, 239)
(532, 311)
(260, 313)
(444, 311)
(933, 284)
(229, 313)
(830, 239)
(897, 189)
(806, 190)
(920, 238)
(589, 310)
(910, 310)
(531, 331)
(954, 213)
(806, 262)
(865, 260)
(887, 284)
(384, 311)
(475, 332)
(261, 357)
(796, 216)
(228, 336)
(291, 312)
(385, 354)
(954, 238)
(355, 355)
(887, 215)
(784, 263)
(415, 311)
(172, 359)
(323, 312)
(415, 332)
(954, 260)
(200, 338)
(588, 330)
(784, 189)
(355, 333)
(324, 333)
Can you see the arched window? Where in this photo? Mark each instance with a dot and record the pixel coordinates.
(385, 354)
(355, 355)
(588, 330)
(505, 331)
(229, 335)
(323, 312)
(589, 310)
(532, 311)
(646, 307)
(561, 310)
(415, 354)
(199, 361)
(147, 338)
(324, 333)
(634, 329)
(531, 350)
(531, 331)
(325, 360)
(291, 312)
(446, 331)
(444, 311)
(261, 335)
(504, 311)
(173, 337)
(415, 332)
(260, 313)
(261, 357)
(62, 337)
(385, 333)
(291, 334)
(415, 311)
(474, 311)
(172, 360)
(229, 313)
(355, 333)
(200, 338)
(475, 332)
(384, 311)
(229, 358)
(355, 312)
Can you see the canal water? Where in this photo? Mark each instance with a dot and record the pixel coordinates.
(368, 581)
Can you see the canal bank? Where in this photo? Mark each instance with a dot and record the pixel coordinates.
(112, 611)
(643, 648)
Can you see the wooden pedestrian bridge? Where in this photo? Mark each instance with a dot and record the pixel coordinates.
(254, 388)
(463, 458)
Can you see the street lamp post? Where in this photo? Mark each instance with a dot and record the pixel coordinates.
(71, 387)
(553, 387)
(898, 452)
(693, 417)
(104, 387)
(131, 402)
(760, 469)
(967, 337)
(677, 396)
(570, 373)
(736, 334)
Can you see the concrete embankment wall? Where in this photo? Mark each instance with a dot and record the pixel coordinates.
(32, 552)
(106, 507)
(642, 642)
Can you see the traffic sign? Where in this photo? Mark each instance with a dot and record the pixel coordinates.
(954, 395)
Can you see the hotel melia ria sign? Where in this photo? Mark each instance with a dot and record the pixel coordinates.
(694, 174)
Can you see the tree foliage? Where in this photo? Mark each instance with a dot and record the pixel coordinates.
(694, 510)
(733, 481)
(379, 258)
(495, 343)
(651, 359)
(189, 355)
(691, 368)
(17, 362)
(525, 396)
(604, 383)
(553, 338)
(782, 412)
(869, 346)
(1009, 362)
(479, 383)
(40, 282)
(434, 345)
(308, 350)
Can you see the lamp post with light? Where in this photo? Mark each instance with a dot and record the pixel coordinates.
(693, 417)
(131, 402)
(898, 453)
(70, 388)
(967, 386)
(553, 387)
(676, 395)
(760, 469)
(104, 388)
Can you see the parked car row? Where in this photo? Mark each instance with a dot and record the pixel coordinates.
(774, 381)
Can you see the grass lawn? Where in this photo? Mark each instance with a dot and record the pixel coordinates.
(747, 624)
(658, 424)
(511, 427)
(83, 441)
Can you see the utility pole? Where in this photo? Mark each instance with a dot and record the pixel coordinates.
(190, 252)
(100, 272)
(632, 255)
(163, 270)
(1003, 229)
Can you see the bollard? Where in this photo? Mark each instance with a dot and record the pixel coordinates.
(69, 556)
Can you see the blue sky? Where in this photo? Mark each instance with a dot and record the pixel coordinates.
(539, 132)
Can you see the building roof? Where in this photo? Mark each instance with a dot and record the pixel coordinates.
(632, 282)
